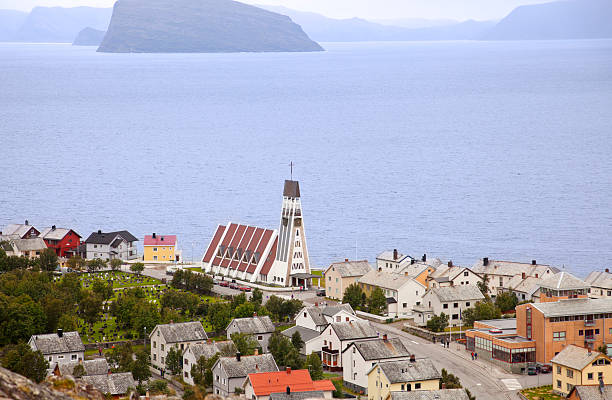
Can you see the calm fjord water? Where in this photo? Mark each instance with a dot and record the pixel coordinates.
(455, 149)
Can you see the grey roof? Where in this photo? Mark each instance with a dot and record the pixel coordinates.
(381, 349)
(409, 371)
(354, 330)
(97, 366)
(292, 189)
(305, 333)
(54, 234)
(529, 285)
(114, 384)
(442, 394)
(315, 394)
(563, 281)
(458, 293)
(593, 392)
(207, 350)
(29, 244)
(182, 332)
(253, 325)
(385, 280)
(108, 237)
(599, 279)
(575, 357)
(16, 230)
(318, 313)
(574, 307)
(248, 365)
(511, 268)
(351, 268)
(51, 343)
(388, 256)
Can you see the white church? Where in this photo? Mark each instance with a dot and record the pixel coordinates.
(272, 256)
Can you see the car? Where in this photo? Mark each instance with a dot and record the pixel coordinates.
(245, 288)
(321, 292)
(532, 371)
(224, 283)
(545, 368)
(234, 286)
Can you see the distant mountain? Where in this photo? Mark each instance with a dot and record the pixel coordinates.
(416, 23)
(326, 29)
(89, 37)
(10, 21)
(205, 26)
(577, 19)
(57, 24)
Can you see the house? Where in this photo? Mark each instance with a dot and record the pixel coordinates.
(261, 386)
(31, 247)
(261, 328)
(450, 300)
(576, 366)
(176, 335)
(59, 347)
(600, 392)
(97, 366)
(442, 394)
(115, 384)
(208, 350)
(402, 376)
(499, 273)
(555, 325)
(160, 248)
(110, 245)
(359, 357)
(452, 275)
(230, 373)
(317, 317)
(19, 231)
(525, 288)
(341, 275)
(562, 285)
(402, 291)
(601, 284)
(338, 336)
(64, 241)
(310, 337)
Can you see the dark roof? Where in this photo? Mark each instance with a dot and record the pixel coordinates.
(108, 237)
(292, 189)
(442, 394)
(305, 333)
(409, 371)
(354, 330)
(593, 392)
(182, 332)
(51, 343)
(97, 366)
(381, 349)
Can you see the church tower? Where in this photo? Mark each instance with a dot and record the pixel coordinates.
(292, 250)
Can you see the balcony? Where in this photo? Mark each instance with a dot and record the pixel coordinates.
(589, 322)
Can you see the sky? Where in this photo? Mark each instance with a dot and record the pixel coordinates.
(369, 9)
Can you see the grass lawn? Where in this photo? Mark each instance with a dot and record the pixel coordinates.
(541, 393)
(195, 269)
(119, 279)
(283, 327)
(321, 280)
(456, 329)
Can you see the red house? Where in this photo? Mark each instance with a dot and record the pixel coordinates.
(64, 241)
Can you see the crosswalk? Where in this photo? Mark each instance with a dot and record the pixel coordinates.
(512, 384)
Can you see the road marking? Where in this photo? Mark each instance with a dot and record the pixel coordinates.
(512, 384)
(414, 342)
(479, 384)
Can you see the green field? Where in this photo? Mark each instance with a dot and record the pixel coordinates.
(195, 269)
(321, 282)
(541, 393)
(119, 279)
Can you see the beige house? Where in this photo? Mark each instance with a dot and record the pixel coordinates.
(600, 283)
(402, 376)
(31, 247)
(174, 335)
(576, 366)
(341, 275)
(499, 273)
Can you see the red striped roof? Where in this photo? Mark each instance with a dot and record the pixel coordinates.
(246, 238)
(251, 247)
(270, 260)
(213, 244)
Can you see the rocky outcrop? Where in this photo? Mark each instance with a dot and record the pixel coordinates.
(89, 37)
(200, 26)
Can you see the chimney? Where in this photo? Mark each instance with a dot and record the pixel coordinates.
(485, 261)
(443, 386)
(237, 356)
(256, 352)
(452, 283)
(27, 222)
(154, 235)
(450, 264)
(255, 313)
(424, 258)
(53, 228)
(533, 262)
(523, 275)
(412, 261)
(288, 370)
(288, 390)
(316, 304)
(608, 270)
(385, 336)
(412, 358)
(379, 269)
(60, 332)
(99, 231)
(346, 260)
(147, 396)
(394, 254)
(536, 275)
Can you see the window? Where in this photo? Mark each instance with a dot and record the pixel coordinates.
(60, 357)
(455, 305)
(162, 360)
(259, 337)
(74, 357)
(597, 331)
(559, 336)
(186, 361)
(338, 318)
(559, 384)
(162, 347)
(186, 374)
(455, 316)
(154, 248)
(417, 385)
(570, 373)
(467, 303)
(182, 346)
(558, 369)
(445, 306)
(568, 386)
(155, 258)
(581, 332)
(154, 357)
(404, 305)
(304, 315)
(403, 387)
(590, 376)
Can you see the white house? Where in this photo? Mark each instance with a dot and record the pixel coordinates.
(59, 347)
(450, 300)
(338, 336)
(317, 317)
(208, 350)
(601, 284)
(451, 275)
(261, 328)
(499, 273)
(402, 291)
(110, 245)
(230, 373)
(174, 335)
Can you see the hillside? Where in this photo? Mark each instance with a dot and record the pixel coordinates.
(207, 26)
(89, 37)
(577, 19)
(10, 21)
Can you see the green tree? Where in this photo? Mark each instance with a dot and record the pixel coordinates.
(103, 289)
(506, 301)
(338, 393)
(353, 295)
(78, 371)
(198, 371)
(20, 318)
(296, 340)
(76, 263)
(90, 308)
(24, 361)
(482, 310)
(174, 361)
(244, 310)
(438, 323)
(483, 286)
(283, 352)
(137, 268)
(450, 381)
(257, 297)
(244, 343)
(48, 260)
(220, 315)
(70, 287)
(116, 264)
(239, 300)
(121, 357)
(158, 387)
(140, 368)
(68, 322)
(377, 302)
(95, 265)
(315, 367)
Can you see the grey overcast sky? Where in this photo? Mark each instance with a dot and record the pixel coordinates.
(372, 9)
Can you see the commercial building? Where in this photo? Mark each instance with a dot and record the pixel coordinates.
(341, 275)
(160, 248)
(576, 366)
(402, 376)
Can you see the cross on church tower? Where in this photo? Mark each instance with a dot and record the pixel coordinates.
(291, 164)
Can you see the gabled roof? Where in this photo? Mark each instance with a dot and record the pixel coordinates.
(108, 237)
(442, 394)
(182, 332)
(350, 268)
(593, 392)
(160, 240)
(97, 366)
(510, 268)
(266, 383)
(528, 285)
(17, 230)
(408, 371)
(575, 357)
(318, 313)
(247, 365)
(563, 281)
(206, 350)
(253, 325)
(51, 343)
(354, 330)
(387, 255)
(457, 293)
(386, 280)
(115, 384)
(29, 244)
(381, 349)
(573, 307)
(55, 234)
(317, 394)
(305, 333)
(599, 279)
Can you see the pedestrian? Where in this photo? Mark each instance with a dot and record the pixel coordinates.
(476, 355)
(472, 356)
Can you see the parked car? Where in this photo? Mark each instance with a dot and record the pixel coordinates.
(234, 286)
(245, 288)
(545, 368)
(532, 371)
(321, 292)
(224, 283)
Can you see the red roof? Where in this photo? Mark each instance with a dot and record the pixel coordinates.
(160, 240)
(270, 260)
(265, 383)
(213, 245)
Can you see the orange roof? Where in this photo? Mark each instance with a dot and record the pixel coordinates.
(265, 383)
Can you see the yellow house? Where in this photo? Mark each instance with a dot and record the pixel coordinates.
(341, 275)
(401, 376)
(160, 248)
(576, 366)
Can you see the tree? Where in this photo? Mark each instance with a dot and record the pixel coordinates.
(116, 264)
(159, 387)
(283, 352)
(483, 285)
(296, 340)
(438, 323)
(174, 361)
(140, 368)
(78, 371)
(353, 295)
(220, 315)
(450, 381)
(198, 370)
(257, 297)
(338, 393)
(238, 300)
(377, 302)
(24, 361)
(137, 268)
(20, 318)
(90, 308)
(244, 310)
(68, 322)
(76, 263)
(506, 301)
(48, 260)
(103, 289)
(482, 310)
(95, 264)
(245, 343)
(315, 367)
(121, 357)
